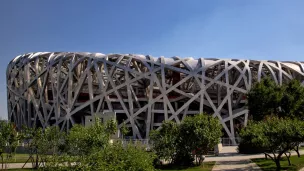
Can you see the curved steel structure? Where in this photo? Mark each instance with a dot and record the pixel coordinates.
(62, 88)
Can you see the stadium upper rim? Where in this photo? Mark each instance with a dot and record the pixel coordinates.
(192, 62)
(101, 55)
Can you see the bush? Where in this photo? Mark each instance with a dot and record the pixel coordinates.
(88, 148)
(198, 135)
(246, 147)
(116, 157)
(190, 140)
(274, 136)
(164, 141)
(248, 144)
(267, 98)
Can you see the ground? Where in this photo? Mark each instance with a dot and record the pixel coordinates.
(228, 156)
(207, 166)
(268, 164)
(18, 158)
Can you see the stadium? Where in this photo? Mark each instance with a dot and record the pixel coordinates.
(63, 88)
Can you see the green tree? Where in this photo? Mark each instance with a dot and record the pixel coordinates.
(41, 143)
(249, 137)
(12, 141)
(264, 99)
(198, 135)
(9, 139)
(193, 138)
(4, 136)
(267, 98)
(164, 141)
(274, 136)
(292, 102)
(117, 157)
(49, 143)
(124, 130)
(35, 145)
(88, 148)
(27, 135)
(82, 141)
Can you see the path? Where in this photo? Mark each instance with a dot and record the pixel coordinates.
(241, 165)
(18, 165)
(230, 154)
(230, 160)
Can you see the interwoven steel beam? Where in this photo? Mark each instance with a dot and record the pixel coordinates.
(62, 88)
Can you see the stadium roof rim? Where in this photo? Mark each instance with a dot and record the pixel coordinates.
(161, 59)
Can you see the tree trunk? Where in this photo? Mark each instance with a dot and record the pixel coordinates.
(36, 167)
(278, 164)
(289, 164)
(297, 151)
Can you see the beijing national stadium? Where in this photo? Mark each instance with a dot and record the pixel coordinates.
(63, 89)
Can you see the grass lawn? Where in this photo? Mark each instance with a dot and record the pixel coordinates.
(268, 164)
(17, 158)
(206, 167)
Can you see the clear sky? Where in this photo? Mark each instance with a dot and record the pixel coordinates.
(251, 29)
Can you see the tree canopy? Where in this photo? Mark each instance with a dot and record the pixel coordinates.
(193, 138)
(274, 136)
(268, 98)
(164, 140)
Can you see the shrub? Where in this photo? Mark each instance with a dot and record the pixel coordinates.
(117, 157)
(274, 136)
(198, 135)
(190, 140)
(164, 141)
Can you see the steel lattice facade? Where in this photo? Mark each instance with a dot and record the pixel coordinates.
(62, 88)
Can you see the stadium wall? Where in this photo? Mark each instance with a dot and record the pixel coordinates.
(62, 88)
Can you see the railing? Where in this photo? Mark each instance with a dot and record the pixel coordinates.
(145, 143)
(136, 141)
(148, 143)
(230, 141)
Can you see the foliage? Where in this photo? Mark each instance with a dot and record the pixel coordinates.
(268, 98)
(9, 138)
(164, 141)
(82, 148)
(264, 99)
(83, 140)
(118, 157)
(250, 136)
(88, 148)
(124, 129)
(269, 165)
(198, 135)
(193, 138)
(3, 139)
(274, 136)
(41, 143)
(206, 166)
(292, 102)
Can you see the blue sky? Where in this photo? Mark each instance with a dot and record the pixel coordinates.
(256, 29)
